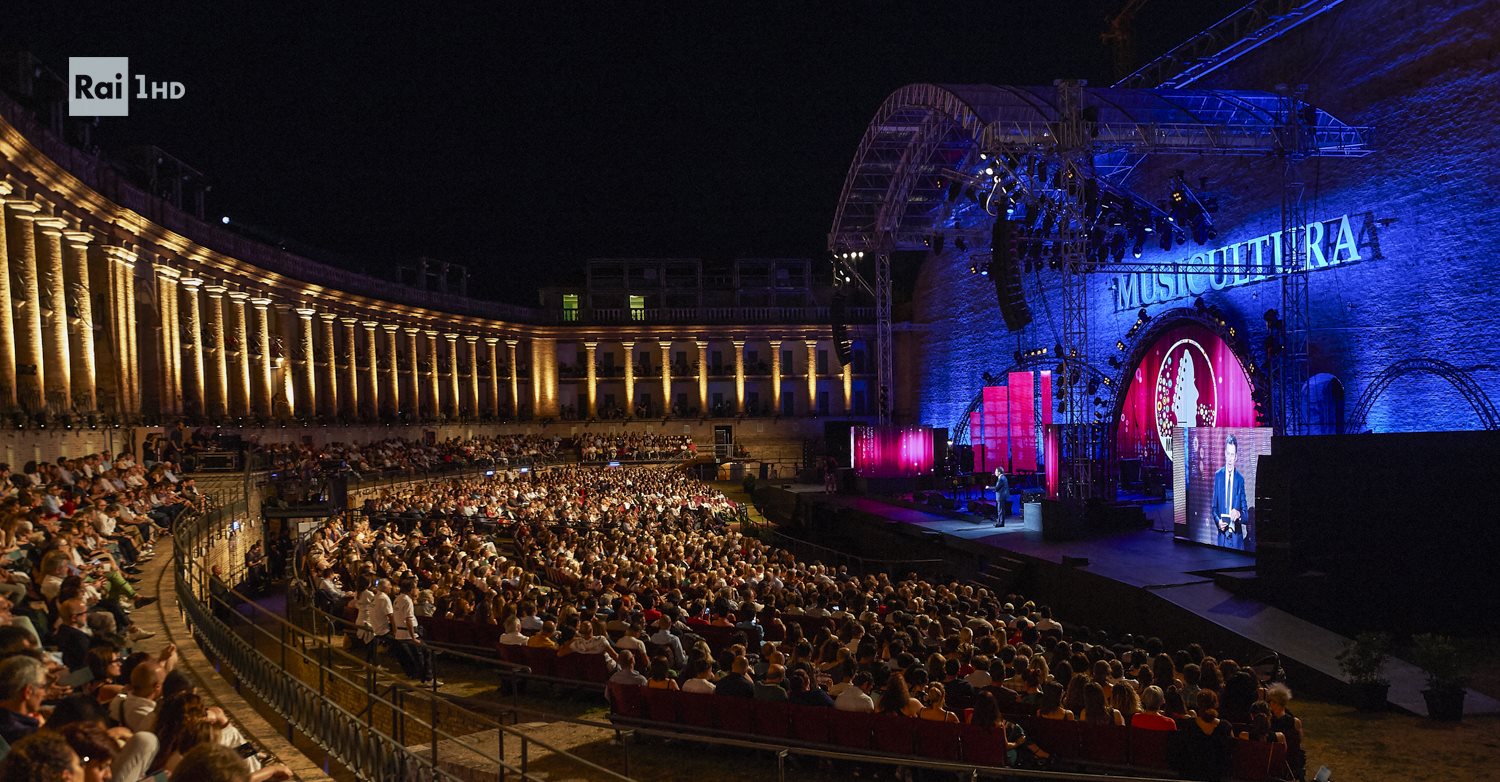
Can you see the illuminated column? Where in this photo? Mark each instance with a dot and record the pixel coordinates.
(83, 349)
(702, 376)
(473, 399)
(306, 403)
(166, 297)
(739, 376)
(392, 396)
(328, 401)
(629, 378)
(118, 262)
(31, 380)
(239, 398)
(515, 378)
(264, 393)
(589, 350)
(7, 314)
(544, 377)
(55, 290)
(848, 389)
(775, 377)
(413, 368)
(372, 369)
(432, 373)
(812, 376)
(195, 342)
(351, 372)
(666, 376)
(492, 344)
(453, 406)
(218, 368)
(126, 261)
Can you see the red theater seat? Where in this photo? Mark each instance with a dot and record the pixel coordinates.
(896, 735)
(543, 662)
(1060, 738)
(1148, 748)
(812, 724)
(853, 730)
(1106, 744)
(772, 718)
(700, 711)
(1252, 760)
(982, 746)
(937, 740)
(736, 715)
(627, 700)
(663, 705)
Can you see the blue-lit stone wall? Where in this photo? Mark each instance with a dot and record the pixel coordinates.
(1423, 207)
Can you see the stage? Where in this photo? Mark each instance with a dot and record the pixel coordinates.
(1133, 580)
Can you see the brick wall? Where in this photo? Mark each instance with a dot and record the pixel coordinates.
(1423, 74)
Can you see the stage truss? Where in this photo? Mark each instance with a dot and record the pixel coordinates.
(952, 159)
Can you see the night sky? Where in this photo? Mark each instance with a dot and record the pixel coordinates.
(522, 138)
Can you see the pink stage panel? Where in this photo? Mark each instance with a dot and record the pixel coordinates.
(892, 452)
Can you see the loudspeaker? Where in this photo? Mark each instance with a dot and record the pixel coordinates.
(338, 492)
(1005, 272)
(843, 343)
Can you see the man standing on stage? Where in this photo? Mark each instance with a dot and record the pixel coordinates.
(1229, 505)
(1002, 496)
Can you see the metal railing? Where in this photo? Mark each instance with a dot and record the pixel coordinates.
(334, 698)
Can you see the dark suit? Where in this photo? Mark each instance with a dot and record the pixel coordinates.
(736, 686)
(74, 645)
(1002, 497)
(1229, 493)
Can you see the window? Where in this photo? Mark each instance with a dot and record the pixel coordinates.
(786, 362)
(822, 362)
(637, 307)
(788, 403)
(570, 307)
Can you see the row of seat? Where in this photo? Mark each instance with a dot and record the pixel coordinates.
(1103, 746)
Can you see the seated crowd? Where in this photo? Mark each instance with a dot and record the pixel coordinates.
(398, 455)
(641, 567)
(635, 447)
(80, 696)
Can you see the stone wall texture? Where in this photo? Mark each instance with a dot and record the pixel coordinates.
(1424, 206)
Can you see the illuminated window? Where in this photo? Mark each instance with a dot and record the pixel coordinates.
(570, 307)
(637, 307)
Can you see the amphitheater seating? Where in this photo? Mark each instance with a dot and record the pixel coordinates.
(1098, 747)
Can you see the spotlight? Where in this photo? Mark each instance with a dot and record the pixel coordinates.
(1114, 362)
(1143, 315)
(224, 219)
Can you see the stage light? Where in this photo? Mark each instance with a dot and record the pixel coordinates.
(1093, 386)
(989, 171)
(1117, 247)
(1119, 344)
(1136, 248)
(960, 244)
(1143, 316)
(1114, 362)
(984, 156)
(224, 219)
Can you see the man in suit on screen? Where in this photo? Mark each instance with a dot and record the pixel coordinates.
(1229, 505)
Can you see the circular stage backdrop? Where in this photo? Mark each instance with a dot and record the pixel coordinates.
(1188, 377)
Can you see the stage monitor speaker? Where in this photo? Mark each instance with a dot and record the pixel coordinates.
(1005, 272)
(338, 492)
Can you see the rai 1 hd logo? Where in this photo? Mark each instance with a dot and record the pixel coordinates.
(103, 87)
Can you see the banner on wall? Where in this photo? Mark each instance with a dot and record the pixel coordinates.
(892, 451)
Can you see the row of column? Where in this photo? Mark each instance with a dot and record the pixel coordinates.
(47, 350)
(591, 347)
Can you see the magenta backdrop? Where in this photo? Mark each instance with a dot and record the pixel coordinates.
(892, 451)
(1188, 372)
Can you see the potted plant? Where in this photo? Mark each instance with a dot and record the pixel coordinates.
(1362, 661)
(1447, 673)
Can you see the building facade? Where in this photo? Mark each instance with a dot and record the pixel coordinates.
(128, 309)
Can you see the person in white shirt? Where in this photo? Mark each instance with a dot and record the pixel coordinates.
(415, 658)
(700, 683)
(856, 697)
(513, 635)
(588, 643)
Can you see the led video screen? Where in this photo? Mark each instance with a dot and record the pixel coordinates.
(1214, 484)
